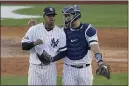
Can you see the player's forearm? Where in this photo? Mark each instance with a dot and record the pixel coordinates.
(95, 48)
(27, 46)
(59, 56)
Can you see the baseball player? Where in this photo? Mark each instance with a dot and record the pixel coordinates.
(39, 39)
(81, 38)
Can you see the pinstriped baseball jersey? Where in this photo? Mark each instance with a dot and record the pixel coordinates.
(53, 41)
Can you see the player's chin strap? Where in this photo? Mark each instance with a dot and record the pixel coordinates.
(74, 19)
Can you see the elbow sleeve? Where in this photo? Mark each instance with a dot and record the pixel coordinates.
(27, 46)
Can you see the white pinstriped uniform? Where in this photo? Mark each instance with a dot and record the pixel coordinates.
(39, 74)
(83, 76)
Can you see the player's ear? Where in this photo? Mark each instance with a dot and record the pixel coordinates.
(43, 16)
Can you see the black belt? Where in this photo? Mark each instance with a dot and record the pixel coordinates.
(79, 66)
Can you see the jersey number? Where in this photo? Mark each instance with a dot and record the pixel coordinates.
(54, 43)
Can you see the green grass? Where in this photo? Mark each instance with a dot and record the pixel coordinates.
(16, 22)
(98, 15)
(116, 79)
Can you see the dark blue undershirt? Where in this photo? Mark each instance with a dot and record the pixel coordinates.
(60, 55)
(27, 46)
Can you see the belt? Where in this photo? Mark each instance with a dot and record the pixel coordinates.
(78, 66)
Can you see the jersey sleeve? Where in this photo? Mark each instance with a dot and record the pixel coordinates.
(91, 35)
(62, 44)
(28, 36)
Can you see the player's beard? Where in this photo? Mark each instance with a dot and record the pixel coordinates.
(49, 25)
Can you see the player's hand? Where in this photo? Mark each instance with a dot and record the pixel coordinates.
(32, 22)
(38, 41)
(103, 70)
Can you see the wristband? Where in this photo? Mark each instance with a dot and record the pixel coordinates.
(98, 57)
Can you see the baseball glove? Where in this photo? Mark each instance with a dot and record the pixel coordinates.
(45, 58)
(103, 70)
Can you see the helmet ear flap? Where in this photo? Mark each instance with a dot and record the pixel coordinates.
(78, 15)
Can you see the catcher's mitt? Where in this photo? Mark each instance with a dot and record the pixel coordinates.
(103, 70)
(45, 58)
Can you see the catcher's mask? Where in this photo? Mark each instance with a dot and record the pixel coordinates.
(71, 13)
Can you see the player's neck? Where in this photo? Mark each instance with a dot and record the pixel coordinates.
(49, 27)
(76, 24)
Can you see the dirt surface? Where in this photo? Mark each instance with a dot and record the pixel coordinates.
(14, 61)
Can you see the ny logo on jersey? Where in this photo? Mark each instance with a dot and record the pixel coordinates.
(54, 43)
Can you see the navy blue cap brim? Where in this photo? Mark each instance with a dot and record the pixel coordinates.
(50, 13)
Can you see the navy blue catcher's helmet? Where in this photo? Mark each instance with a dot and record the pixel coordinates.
(71, 13)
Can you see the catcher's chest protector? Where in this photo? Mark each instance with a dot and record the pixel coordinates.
(77, 44)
